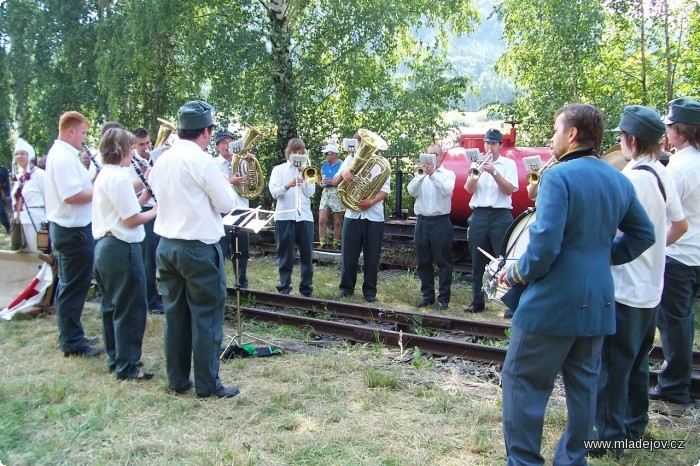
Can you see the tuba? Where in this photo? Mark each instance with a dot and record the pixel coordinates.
(166, 128)
(370, 171)
(251, 169)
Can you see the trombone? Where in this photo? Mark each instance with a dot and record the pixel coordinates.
(310, 174)
(534, 177)
(475, 172)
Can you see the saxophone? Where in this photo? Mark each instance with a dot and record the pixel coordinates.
(251, 169)
(369, 170)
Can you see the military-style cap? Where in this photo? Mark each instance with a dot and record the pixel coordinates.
(221, 134)
(683, 111)
(641, 122)
(493, 135)
(195, 115)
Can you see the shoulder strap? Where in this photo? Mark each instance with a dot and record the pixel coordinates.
(647, 168)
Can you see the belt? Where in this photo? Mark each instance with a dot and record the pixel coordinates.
(433, 217)
(35, 207)
(491, 208)
(109, 233)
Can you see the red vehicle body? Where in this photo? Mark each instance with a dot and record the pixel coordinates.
(457, 160)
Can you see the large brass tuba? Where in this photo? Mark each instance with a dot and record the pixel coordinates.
(369, 169)
(250, 168)
(166, 128)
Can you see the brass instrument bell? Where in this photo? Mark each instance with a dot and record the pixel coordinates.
(164, 131)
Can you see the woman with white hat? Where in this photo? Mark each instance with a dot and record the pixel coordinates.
(28, 194)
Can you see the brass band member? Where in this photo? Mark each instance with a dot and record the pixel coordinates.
(118, 230)
(192, 195)
(434, 234)
(68, 208)
(491, 203)
(363, 231)
(222, 139)
(294, 223)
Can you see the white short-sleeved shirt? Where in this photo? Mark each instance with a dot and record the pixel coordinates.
(376, 212)
(34, 193)
(66, 176)
(286, 206)
(639, 283)
(113, 201)
(433, 193)
(488, 194)
(192, 194)
(684, 167)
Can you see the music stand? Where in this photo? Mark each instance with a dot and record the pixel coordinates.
(250, 220)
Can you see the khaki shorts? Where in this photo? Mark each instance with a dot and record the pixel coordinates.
(330, 200)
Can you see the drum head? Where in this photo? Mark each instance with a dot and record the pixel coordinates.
(518, 236)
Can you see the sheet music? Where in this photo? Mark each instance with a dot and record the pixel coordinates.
(533, 163)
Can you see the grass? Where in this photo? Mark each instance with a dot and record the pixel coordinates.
(348, 404)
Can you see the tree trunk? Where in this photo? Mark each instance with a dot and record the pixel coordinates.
(282, 77)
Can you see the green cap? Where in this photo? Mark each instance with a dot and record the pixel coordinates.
(641, 122)
(683, 111)
(195, 115)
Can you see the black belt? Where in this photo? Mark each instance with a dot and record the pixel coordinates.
(146, 208)
(433, 217)
(492, 208)
(35, 207)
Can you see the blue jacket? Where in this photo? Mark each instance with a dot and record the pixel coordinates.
(581, 204)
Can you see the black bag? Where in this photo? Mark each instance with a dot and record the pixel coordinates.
(16, 239)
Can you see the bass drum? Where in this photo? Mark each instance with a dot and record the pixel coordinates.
(514, 244)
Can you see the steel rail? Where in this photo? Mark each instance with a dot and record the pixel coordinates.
(436, 346)
(403, 319)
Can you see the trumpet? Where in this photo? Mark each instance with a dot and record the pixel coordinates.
(534, 177)
(475, 172)
(419, 170)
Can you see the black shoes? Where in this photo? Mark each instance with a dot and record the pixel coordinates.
(617, 453)
(343, 294)
(184, 389)
(370, 299)
(425, 302)
(92, 341)
(139, 376)
(442, 305)
(223, 392)
(86, 352)
(655, 394)
(474, 308)
(508, 314)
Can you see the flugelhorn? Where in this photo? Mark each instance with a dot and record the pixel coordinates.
(475, 172)
(534, 177)
(164, 132)
(248, 166)
(368, 181)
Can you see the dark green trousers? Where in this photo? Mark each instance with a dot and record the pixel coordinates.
(433, 239)
(487, 228)
(193, 281)
(120, 276)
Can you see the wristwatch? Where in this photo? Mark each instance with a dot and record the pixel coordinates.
(495, 173)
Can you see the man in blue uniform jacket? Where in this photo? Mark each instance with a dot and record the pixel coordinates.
(569, 303)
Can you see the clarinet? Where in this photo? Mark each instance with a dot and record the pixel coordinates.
(135, 164)
(98, 167)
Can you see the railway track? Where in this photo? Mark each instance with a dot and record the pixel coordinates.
(396, 327)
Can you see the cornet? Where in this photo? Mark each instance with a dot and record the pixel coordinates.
(475, 172)
(534, 177)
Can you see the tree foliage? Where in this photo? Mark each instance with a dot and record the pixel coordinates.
(610, 53)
